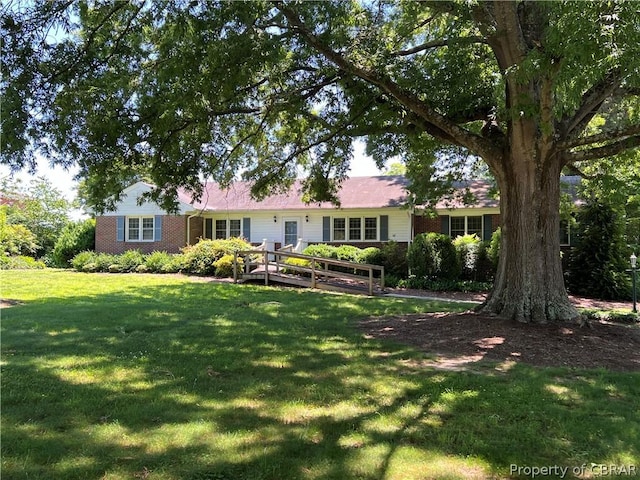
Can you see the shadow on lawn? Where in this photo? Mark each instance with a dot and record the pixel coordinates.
(197, 381)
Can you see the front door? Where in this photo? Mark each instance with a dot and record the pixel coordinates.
(290, 231)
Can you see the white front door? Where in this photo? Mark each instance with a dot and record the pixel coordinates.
(291, 231)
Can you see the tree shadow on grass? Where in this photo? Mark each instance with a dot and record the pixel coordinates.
(220, 382)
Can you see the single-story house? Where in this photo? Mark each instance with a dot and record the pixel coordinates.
(372, 211)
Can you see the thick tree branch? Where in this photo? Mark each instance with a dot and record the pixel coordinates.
(609, 150)
(599, 138)
(590, 104)
(439, 122)
(439, 43)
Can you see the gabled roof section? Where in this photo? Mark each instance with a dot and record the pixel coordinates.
(355, 192)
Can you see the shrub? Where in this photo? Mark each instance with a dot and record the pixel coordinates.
(224, 266)
(467, 247)
(129, 261)
(321, 250)
(394, 260)
(348, 253)
(433, 255)
(175, 264)
(298, 262)
(201, 257)
(619, 316)
(485, 270)
(16, 239)
(473, 258)
(371, 255)
(598, 260)
(440, 285)
(104, 261)
(421, 257)
(155, 261)
(80, 260)
(494, 247)
(392, 281)
(20, 262)
(74, 238)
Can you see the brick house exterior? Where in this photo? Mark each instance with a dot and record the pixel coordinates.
(172, 239)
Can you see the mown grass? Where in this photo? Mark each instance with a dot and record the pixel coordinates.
(143, 376)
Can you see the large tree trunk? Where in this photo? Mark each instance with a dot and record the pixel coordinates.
(529, 284)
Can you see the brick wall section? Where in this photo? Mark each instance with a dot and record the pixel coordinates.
(425, 224)
(174, 236)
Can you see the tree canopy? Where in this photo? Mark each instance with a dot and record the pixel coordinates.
(176, 91)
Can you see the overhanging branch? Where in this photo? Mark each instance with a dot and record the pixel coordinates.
(609, 150)
(619, 134)
(439, 43)
(590, 104)
(437, 121)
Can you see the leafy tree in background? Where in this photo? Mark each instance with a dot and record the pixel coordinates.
(396, 168)
(40, 207)
(174, 92)
(15, 240)
(616, 183)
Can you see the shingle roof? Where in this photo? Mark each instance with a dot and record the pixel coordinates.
(355, 192)
(483, 196)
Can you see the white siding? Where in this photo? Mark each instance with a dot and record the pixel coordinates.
(264, 227)
(129, 203)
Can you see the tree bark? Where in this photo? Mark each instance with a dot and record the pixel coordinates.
(529, 285)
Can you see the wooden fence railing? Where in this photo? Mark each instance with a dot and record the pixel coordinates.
(312, 271)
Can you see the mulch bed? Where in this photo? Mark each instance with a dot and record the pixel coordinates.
(469, 340)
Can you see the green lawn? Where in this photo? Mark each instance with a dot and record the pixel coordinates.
(159, 377)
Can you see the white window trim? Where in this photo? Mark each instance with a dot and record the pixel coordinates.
(227, 228)
(466, 224)
(362, 229)
(140, 238)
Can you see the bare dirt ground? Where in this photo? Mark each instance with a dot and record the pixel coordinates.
(471, 340)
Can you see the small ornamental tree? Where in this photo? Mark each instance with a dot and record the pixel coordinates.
(597, 265)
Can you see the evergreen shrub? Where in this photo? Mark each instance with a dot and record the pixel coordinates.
(598, 262)
(75, 238)
(433, 256)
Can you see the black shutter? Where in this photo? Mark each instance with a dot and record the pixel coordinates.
(444, 224)
(326, 229)
(384, 228)
(487, 227)
(246, 228)
(120, 229)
